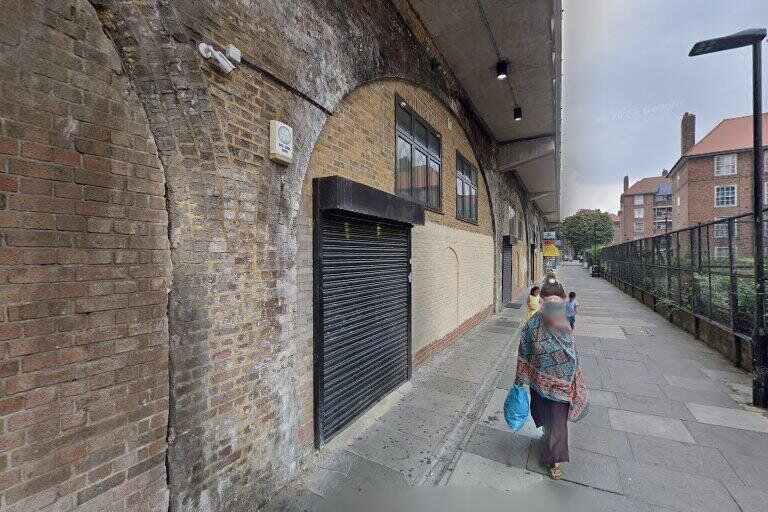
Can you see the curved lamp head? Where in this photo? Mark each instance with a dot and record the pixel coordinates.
(737, 40)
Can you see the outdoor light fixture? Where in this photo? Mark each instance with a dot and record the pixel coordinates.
(737, 40)
(403, 104)
(754, 38)
(518, 113)
(502, 70)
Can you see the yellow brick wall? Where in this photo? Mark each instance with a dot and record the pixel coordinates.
(358, 143)
(452, 279)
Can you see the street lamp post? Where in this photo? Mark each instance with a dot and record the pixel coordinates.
(754, 38)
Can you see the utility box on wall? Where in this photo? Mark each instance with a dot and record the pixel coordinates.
(280, 142)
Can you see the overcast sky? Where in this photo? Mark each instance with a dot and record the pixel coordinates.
(627, 80)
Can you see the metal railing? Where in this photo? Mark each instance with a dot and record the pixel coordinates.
(706, 270)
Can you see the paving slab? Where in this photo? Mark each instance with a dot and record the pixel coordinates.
(685, 457)
(692, 383)
(508, 448)
(729, 376)
(725, 417)
(700, 396)
(613, 320)
(409, 454)
(587, 468)
(646, 424)
(622, 384)
(615, 353)
(600, 440)
(447, 385)
(600, 331)
(506, 379)
(728, 439)
(476, 471)
(674, 489)
(602, 397)
(344, 471)
(749, 499)
(597, 417)
(752, 470)
(653, 405)
(425, 423)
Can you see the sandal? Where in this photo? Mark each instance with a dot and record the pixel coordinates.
(555, 472)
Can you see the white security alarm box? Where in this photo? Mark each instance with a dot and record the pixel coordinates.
(280, 142)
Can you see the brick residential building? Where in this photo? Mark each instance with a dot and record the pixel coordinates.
(616, 220)
(646, 208)
(185, 319)
(713, 177)
(712, 180)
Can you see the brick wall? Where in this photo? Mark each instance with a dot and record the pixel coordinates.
(84, 271)
(700, 181)
(452, 280)
(628, 217)
(120, 154)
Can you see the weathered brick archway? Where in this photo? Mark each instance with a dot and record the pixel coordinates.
(137, 172)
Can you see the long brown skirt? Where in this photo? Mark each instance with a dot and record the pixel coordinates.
(553, 416)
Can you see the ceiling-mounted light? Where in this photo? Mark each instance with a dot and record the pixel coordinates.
(518, 113)
(502, 70)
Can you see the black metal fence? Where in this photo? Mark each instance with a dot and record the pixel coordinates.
(706, 270)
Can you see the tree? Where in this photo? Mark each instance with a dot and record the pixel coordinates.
(587, 228)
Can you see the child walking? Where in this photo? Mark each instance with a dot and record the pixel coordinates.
(533, 301)
(570, 309)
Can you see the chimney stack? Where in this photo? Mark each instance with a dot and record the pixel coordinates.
(687, 132)
(626, 183)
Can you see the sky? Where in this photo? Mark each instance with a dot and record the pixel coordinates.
(627, 80)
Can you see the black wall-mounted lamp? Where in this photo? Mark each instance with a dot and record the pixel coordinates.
(502, 70)
(518, 113)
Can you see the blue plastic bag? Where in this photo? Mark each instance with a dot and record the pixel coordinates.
(516, 407)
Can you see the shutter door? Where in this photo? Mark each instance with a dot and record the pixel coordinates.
(362, 327)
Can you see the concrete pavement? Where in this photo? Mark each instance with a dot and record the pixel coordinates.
(669, 426)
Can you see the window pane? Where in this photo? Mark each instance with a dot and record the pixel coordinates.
(403, 178)
(725, 165)
(465, 198)
(419, 190)
(420, 133)
(434, 144)
(434, 185)
(403, 119)
(458, 196)
(473, 203)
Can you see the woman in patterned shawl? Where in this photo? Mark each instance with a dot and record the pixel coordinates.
(547, 362)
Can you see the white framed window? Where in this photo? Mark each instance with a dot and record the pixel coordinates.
(720, 230)
(638, 200)
(639, 227)
(678, 200)
(725, 196)
(725, 165)
(639, 213)
(721, 252)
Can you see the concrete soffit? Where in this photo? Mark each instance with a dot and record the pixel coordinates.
(514, 154)
(471, 37)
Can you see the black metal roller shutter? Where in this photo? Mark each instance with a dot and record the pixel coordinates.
(362, 341)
